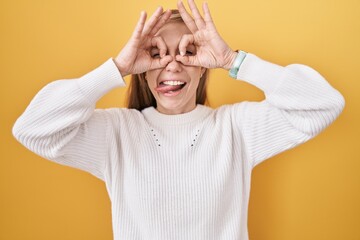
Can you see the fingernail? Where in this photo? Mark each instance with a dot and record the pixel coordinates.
(182, 53)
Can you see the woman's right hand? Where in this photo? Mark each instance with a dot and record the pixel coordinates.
(135, 57)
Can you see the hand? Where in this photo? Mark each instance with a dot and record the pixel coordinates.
(135, 57)
(211, 49)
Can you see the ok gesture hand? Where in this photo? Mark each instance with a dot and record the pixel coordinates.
(211, 49)
(135, 57)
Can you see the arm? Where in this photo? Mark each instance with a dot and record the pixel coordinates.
(299, 104)
(61, 123)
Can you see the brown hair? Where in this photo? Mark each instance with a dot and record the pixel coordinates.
(139, 95)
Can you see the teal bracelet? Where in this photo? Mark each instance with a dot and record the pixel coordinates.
(236, 65)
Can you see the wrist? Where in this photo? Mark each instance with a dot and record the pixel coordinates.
(120, 68)
(240, 56)
(231, 60)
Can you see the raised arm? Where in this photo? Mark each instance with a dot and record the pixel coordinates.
(299, 104)
(61, 123)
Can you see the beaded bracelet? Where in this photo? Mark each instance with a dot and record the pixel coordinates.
(236, 65)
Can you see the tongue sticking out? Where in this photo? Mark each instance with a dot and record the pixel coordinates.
(167, 88)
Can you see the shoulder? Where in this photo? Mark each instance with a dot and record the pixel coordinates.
(116, 116)
(240, 111)
(228, 110)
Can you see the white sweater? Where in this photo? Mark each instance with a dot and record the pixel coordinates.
(178, 177)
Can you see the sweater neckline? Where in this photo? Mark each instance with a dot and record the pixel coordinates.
(157, 118)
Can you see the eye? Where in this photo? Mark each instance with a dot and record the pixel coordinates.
(190, 50)
(155, 55)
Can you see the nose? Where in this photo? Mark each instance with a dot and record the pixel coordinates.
(174, 66)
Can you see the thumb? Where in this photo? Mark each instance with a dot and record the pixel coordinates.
(160, 62)
(187, 60)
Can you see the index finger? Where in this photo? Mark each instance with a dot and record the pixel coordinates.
(160, 44)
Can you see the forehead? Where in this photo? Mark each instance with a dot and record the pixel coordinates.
(172, 32)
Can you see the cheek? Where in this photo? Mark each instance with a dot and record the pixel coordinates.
(194, 84)
(151, 77)
(195, 77)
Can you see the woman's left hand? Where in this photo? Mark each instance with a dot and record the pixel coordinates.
(211, 49)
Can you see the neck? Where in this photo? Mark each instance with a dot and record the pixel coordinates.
(169, 111)
(156, 118)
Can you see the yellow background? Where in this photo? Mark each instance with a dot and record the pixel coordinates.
(310, 192)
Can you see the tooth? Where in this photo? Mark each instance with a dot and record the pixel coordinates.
(173, 83)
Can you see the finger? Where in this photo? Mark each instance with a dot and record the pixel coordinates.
(186, 17)
(185, 41)
(152, 21)
(139, 26)
(187, 60)
(207, 16)
(160, 62)
(197, 16)
(160, 44)
(164, 18)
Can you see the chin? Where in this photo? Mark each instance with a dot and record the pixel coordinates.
(170, 108)
(174, 107)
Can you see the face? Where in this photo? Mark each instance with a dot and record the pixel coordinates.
(174, 86)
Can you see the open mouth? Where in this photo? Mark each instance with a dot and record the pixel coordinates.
(170, 87)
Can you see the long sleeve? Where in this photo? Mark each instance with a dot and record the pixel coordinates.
(61, 123)
(299, 104)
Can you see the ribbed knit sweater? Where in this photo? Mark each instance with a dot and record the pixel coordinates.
(178, 177)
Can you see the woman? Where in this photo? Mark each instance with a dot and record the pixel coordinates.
(174, 168)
